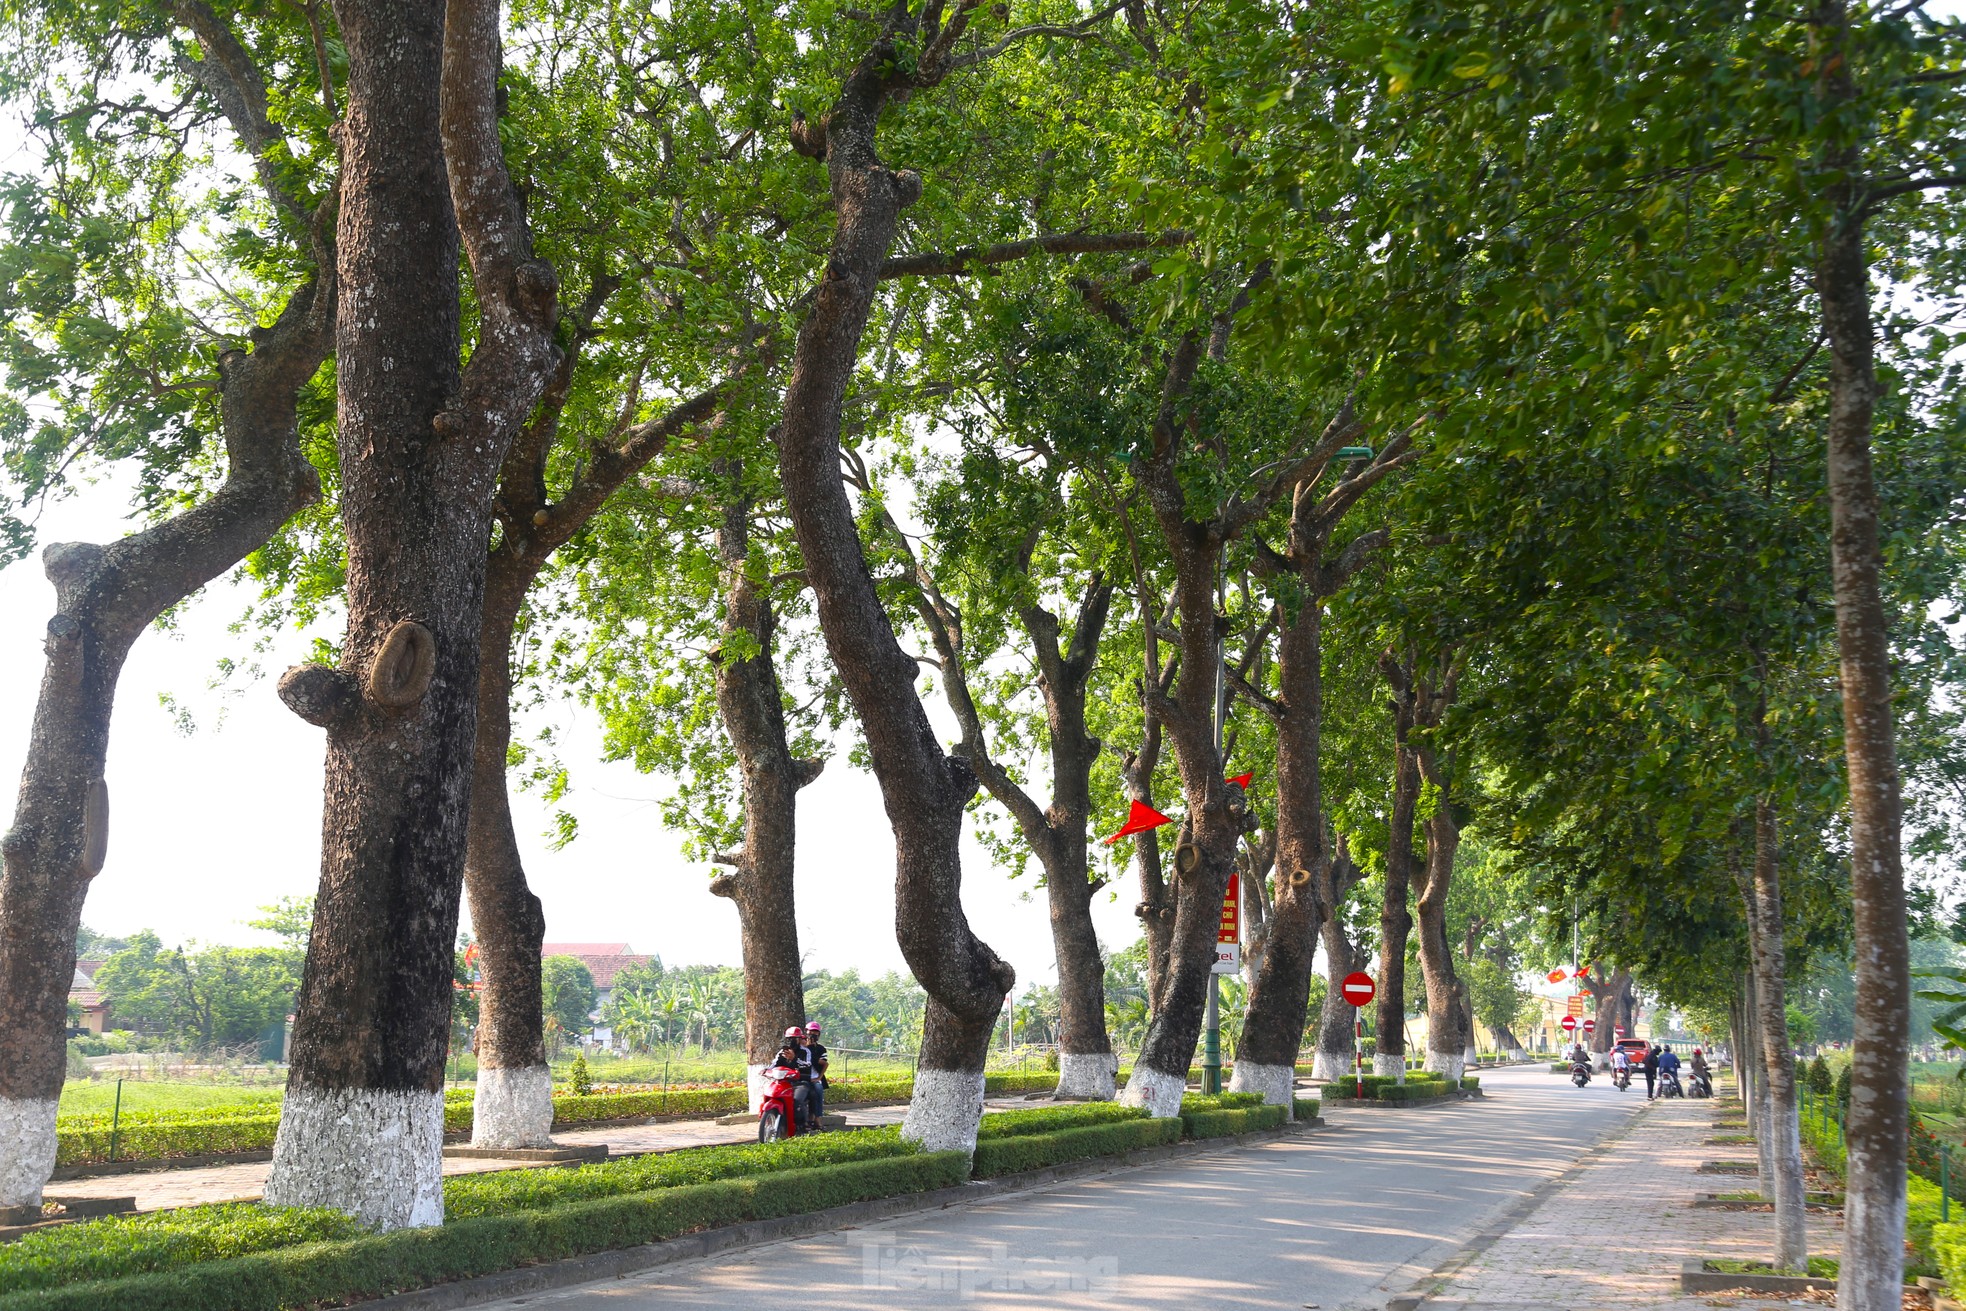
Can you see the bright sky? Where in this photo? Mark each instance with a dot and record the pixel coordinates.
(206, 826)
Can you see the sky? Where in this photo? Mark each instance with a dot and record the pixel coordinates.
(207, 824)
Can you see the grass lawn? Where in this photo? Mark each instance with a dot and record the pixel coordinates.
(98, 1097)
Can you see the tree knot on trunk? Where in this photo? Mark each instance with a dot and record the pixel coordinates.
(95, 828)
(804, 771)
(69, 564)
(448, 424)
(536, 289)
(725, 885)
(907, 187)
(962, 778)
(322, 696)
(1300, 878)
(1187, 859)
(401, 672)
(808, 139)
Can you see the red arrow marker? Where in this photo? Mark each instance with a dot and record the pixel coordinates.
(1138, 820)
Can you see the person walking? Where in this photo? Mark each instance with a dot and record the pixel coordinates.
(1651, 1071)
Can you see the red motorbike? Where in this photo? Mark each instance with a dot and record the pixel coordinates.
(778, 1116)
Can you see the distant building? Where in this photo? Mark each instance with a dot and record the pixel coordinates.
(603, 960)
(83, 992)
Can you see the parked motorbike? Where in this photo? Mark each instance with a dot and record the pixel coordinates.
(1700, 1085)
(1580, 1073)
(778, 1115)
(1669, 1084)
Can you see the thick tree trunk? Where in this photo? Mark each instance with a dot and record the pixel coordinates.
(1781, 1131)
(362, 1127)
(925, 790)
(751, 705)
(1395, 919)
(1446, 1045)
(1257, 860)
(1273, 1023)
(1337, 1025)
(1158, 898)
(513, 1102)
(105, 596)
(1871, 1273)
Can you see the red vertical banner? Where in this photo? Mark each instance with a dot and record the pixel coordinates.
(1231, 912)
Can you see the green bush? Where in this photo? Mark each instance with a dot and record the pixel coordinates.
(1949, 1252)
(353, 1269)
(1008, 1154)
(1305, 1108)
(1345, 1090)
(1015, 1081)
(1471, 1083)
(579, 1080)
(154, 1136)
(1016, 1124)
(121, 1245)
(1843, 1087)
(1413, 1090)
(1221, 1123)
(504, 1191)
(1816, 1078)
(1228, 1101)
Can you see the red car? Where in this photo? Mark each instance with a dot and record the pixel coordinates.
(1634, 1049)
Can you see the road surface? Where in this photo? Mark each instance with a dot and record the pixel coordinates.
(1339, 1218)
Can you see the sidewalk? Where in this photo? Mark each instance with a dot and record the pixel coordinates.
(160, 1190)
(1611, 1234)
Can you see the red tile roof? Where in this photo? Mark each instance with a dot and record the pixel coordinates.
(602, 959)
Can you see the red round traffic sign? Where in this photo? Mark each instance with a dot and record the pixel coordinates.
(1618, 1029)
(1357, 988)
(1569, 1023)
(1590, 1025)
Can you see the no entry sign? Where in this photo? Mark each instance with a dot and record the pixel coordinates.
(1590, 1025)
(1358, 988)
(1569, 1023)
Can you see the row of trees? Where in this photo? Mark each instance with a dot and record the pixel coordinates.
(1419, 454)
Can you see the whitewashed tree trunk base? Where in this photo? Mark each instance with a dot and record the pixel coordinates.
(943, 1113)
(1087, 1076)
(27, 1148)
(513, 1108)
(1450, 1064)
(1391, 1067)
(377, 1154)
(1470, 1059)
(1277, 1083)
(1333, 1065)
(758, 1086)
(1159, 1093)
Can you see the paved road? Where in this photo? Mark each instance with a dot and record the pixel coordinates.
(1338, 1218)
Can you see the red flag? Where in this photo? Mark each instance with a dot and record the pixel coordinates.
(1138, 820)
(1583, 970)
(1242, 780)
(1558, 975)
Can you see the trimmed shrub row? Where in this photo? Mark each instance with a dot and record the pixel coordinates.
(376, 1264)
(1346, 1090)
(121, 1245)
(1046, 1119)
(1230, 1120)
(1007, 1154)
(502, 1191)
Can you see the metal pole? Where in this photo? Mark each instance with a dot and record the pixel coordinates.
(1358, 1054)
(1945, 1185)
(116, 1120)
(1211, 1050)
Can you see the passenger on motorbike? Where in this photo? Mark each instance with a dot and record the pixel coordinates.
(1621, 1067)
(815, 1055)
(791, 1066)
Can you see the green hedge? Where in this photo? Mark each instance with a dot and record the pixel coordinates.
(501, 1191)
(1015, 1124)
(1218, 1124)
(1345, 1090)
(118, 1246)
(1471, 1083)
(1305, 1108)
(417, 1258)
(149, 1137)
(1034, 1151)
(1020, 1081)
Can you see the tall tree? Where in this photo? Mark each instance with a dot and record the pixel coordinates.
(132, 393)
(420, 450)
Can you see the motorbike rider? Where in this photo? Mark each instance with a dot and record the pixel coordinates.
(1668, 1065)
(1621, 1066)
(792, 1067)
(1701, 1073)
(815, 1054)
(1651, 1067)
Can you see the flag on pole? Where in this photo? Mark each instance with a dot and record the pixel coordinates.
(1242, 780)
(1138, 820)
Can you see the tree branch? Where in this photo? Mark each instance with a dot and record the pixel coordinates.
(969, 259)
